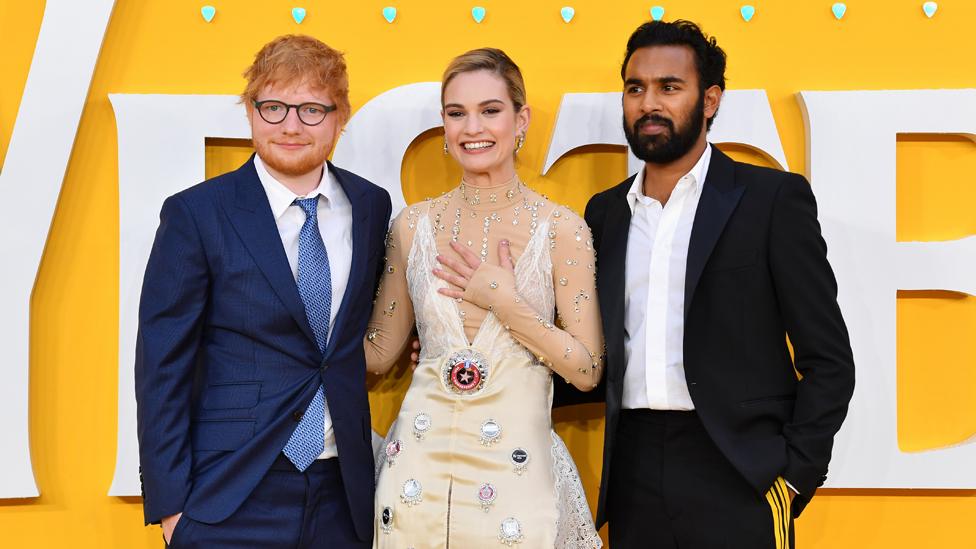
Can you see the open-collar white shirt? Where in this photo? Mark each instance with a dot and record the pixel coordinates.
(654, 302)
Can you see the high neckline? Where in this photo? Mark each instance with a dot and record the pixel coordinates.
(491, 197)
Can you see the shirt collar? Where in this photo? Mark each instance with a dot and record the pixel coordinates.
(280, 197)
(697, 173)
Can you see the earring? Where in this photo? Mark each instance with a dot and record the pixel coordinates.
(519, 142)
(445, 145)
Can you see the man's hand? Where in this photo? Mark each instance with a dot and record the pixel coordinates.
(169, 524)
(791, 493)
(415, 354)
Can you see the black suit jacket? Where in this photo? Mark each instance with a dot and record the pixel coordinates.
(757, 270)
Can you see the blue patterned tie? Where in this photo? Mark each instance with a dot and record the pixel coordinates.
(315, 287)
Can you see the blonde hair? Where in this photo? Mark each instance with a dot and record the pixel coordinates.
(493, 60)
(295, 59)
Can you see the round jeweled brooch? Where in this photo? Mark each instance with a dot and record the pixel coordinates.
(465, 372)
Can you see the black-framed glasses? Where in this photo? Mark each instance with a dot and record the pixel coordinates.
(273, 111)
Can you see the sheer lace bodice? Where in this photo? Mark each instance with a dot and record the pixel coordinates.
(548, 305)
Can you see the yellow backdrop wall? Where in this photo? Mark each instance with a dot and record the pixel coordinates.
(156, 46)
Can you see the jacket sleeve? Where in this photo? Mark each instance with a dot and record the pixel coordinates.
(807, 293)
(171, 311)
(383, 234)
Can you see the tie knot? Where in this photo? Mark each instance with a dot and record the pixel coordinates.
(310, 205)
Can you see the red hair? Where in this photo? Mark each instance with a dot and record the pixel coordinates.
(293, 60)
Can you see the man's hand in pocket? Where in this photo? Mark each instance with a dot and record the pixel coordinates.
(169, 524)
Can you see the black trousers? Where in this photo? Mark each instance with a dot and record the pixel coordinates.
(288, 510)
(671, 488)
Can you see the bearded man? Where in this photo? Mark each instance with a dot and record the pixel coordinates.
(254, 426)
(706, 265)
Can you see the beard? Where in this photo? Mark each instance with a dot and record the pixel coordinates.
(668, 146)
(291, 166)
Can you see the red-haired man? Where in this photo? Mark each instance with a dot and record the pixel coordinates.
(254, 427)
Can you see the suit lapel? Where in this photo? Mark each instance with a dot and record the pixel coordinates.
(360, 248)
(720, 195)
(252, 219)
(613, 263)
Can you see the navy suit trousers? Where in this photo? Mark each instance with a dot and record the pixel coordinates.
(288, 509)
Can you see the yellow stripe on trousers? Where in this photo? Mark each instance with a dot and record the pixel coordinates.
(779, 502)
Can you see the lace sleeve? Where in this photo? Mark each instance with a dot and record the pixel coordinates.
(573, 346)
(392, 319)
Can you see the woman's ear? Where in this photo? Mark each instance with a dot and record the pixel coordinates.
(522, 119)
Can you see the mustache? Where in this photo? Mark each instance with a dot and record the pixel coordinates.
(654, 119)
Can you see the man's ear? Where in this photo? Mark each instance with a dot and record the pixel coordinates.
(713, 98)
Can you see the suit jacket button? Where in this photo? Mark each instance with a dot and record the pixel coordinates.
(297, 415)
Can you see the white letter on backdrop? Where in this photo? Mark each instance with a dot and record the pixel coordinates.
(851, 139)
(67, 47)
(161, 152)
(377, 137)
(597, 119)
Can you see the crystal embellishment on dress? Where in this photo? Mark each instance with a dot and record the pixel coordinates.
(520, 460)
(412, 492)
(510, 532)
(386, 520)
(465, 372)
(393, 449)
(487, 495)
(421, 424)
(491, 431)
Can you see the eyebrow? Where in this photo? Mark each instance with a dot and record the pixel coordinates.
(658, 80)
(482, 104)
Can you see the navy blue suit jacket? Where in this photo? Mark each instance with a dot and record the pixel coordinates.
(226, 361)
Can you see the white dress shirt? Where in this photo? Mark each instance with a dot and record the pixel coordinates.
(654, 302)
(335, 225)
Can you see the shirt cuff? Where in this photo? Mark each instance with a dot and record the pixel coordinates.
(795, 491)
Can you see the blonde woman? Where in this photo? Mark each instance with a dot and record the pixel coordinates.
(500, 283)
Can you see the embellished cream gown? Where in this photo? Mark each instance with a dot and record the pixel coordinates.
(472, 459)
